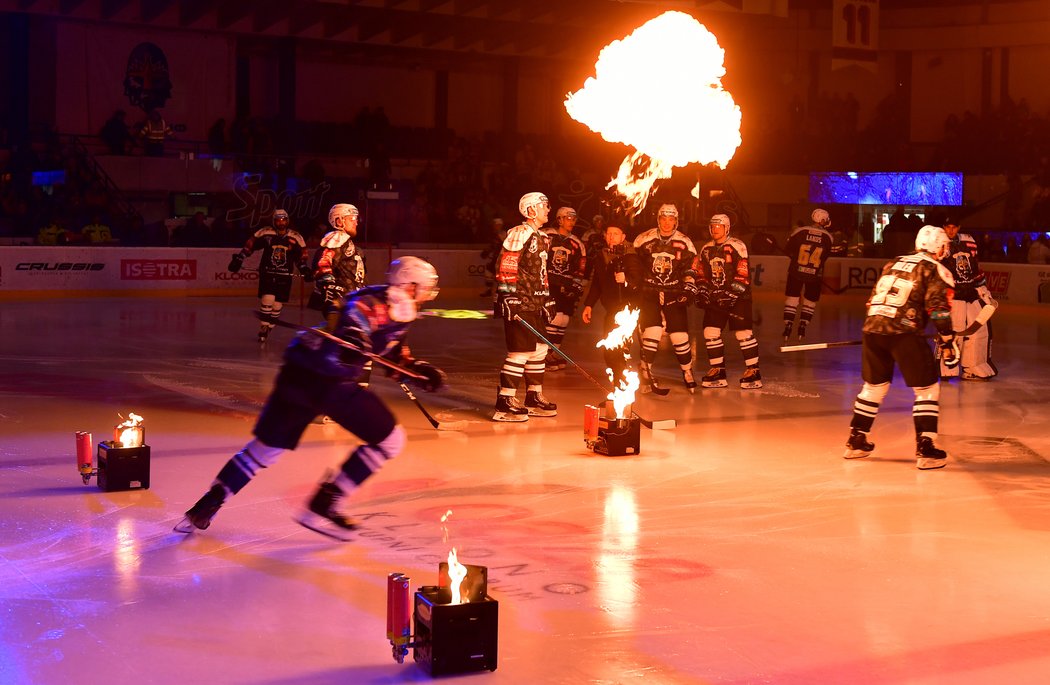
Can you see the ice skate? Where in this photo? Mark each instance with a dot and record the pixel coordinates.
(689, 380)
(970, 376)
(264, 333)
(554, 362)
(538, 405)
(200, 514)
(857, 445)
(927, 455)
(508, 408)
(715, 378)
(801, 331)
(752, 378)
(787, 331)
(648, 381)
(322, 517)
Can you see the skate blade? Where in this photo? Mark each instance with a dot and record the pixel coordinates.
(534, 411)
(715, 384)
(185, 526)
(753, 385)
(509, 418)
(928, 463)
(321, 525)
(452, 425)
(855, 454)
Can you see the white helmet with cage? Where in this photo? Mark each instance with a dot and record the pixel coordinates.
(932, 239)
(529, 202)
(341, 210)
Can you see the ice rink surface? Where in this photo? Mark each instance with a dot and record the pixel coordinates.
(739, 548)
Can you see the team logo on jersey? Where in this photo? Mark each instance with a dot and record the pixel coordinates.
(962, 266)
(560, 260)
(279, 255)
(663, 264)
(718, 271)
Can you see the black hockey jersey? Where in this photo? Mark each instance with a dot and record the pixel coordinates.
(809, 247)
(281, 254)
(966, 270)
(912, 289)
(667, 263)
(722, 264)
(522, 268)
(340, 257)
(364, 320)
(566, 259)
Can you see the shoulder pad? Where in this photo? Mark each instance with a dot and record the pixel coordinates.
(685, 239)
(517, 237)
(297, 237)
(264, 231)
(335, 239)
(644, 237)
(738, 245)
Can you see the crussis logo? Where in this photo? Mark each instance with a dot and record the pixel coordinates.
(158, 269)
(59, 266)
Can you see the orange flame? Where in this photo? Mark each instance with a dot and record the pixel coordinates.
(677, 112)
(457, 572)
(131, 436)
(626, 321)
(623, 396)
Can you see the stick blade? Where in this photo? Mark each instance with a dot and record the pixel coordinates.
(452, 425)
(666, 424)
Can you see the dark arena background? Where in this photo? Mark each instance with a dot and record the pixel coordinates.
(144, 141)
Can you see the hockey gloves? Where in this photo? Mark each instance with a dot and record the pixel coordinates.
(510, 306)
(435, 377)
(235, 263)
(550, 308)
(948, 350)
(703, 294)
(306, 271)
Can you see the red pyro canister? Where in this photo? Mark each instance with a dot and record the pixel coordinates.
(398, 626)
(84, 463)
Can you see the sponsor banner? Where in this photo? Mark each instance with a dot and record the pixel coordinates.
(108, 270)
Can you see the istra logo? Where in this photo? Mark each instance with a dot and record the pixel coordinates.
(158, 269)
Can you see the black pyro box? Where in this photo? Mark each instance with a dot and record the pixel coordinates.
(454, 638)
(617, 437)
(122, 468)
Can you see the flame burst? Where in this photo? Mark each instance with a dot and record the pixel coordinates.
(659, 90)
(131, 436)
(456, 573)
(623, 396)
(626, 321)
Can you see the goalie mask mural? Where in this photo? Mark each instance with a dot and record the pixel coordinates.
(147, 82)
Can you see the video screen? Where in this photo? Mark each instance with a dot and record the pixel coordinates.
(887, 188)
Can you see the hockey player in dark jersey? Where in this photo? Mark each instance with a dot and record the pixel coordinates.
(972, 307)
(615, 277)
(913, 289)
(340, 265)
(319, 377)
(808, 248)
(283, 251)
(523, 292)
(567, 271)
(724, 281)
(667, 256)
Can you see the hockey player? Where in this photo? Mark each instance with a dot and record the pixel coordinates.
(615, 277)
(667, 257)
(523, 292)
(725, 296)
(912, 289)
(567, 271)
(320, 376)
(283, 250)
(972, 307)
(340, 265)
(808, 248)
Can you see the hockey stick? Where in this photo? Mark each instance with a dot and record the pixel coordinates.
(655, 425)
(820, 346)
(440, 425)
(383, 361)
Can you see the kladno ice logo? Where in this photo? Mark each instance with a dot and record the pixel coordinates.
(158, 269)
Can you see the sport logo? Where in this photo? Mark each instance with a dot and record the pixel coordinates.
(998, 281)
(158, 269)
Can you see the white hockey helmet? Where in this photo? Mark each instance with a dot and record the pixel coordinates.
(721, 220)
(667, 210)
(340, 210)
(566, 212)
(529, 202)
(280, 219)
(408, 270)
(932, 239)
(821, 217)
